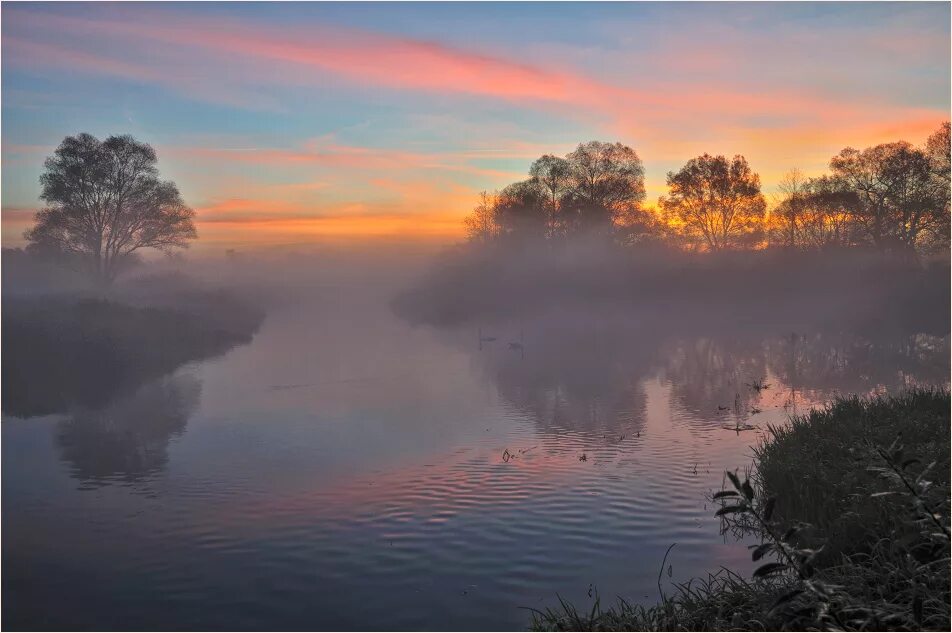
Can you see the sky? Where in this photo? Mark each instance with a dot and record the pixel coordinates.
(294, 122)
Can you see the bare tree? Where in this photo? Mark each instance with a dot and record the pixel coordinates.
(481, 224)
(716, 201)
(105, 202)
(793, 189)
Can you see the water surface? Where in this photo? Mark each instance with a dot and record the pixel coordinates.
(346, 470)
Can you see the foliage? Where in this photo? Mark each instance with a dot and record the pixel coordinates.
(716, 202)
(105, 202)
(70, 350)
(816, 214)
(723, 601)
(520, 211)
(553, 176)
(826, 474)
(893, 197)
(817, 466)
(898, 206)
(594, 189)
(607, 181)
(938, 150)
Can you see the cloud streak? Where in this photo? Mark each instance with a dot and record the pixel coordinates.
(459, 114)
(269, 55)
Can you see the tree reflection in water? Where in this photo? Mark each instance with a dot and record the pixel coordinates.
(127, 440)
(583, 380)
(586, 377)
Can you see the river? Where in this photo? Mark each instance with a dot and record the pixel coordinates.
(346, 470)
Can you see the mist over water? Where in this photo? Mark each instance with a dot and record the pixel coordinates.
(365, 458)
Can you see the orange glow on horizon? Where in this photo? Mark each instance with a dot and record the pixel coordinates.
(356, 127)
(252, 230)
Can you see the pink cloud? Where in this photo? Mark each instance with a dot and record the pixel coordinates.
(325, 155)
(235, 62)
(401, 63)
(329, 154)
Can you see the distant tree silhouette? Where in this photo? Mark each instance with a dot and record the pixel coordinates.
(105, 203)
(813, 214)
(894, 196)
(790, 211)
(897, 199)
(554, 176)
(481, 225)
(716, 201)
(521, 211)
(598, 188)
(826, 215)
(608, 183)
(937, 149)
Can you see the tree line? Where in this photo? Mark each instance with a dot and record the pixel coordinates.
(893, 197)
(105, 202)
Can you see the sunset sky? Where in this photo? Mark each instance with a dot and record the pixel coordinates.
(285, 123)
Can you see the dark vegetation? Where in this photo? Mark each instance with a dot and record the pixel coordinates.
(75, 336)
(893, 197)
(105, 203)
(62, 351)
(854, 532)
(869, 238)
(672, 287)
(851, 505)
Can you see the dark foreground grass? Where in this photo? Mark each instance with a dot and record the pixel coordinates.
(852, 506)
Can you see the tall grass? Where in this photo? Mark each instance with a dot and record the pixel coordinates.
(820, 467)
(852, 506)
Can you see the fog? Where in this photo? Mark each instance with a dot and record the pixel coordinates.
(761, 290)
(414, 423)
(587, 282)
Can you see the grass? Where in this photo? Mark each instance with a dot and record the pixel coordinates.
(852, 507)
(819, 467)
(70, 351)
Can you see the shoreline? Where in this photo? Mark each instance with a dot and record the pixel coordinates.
(852, 506)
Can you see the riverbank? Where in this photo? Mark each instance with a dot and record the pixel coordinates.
(62, 351)
(789, 291)
(852, 505)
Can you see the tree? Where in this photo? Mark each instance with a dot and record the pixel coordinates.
(793, 188)
(481, 225)
(826, 215)
(715, 201)
(521, 212)
(814, 213)
(937, 150)
(608, 182)
(105, 202)
(898, 204)
(553, 175)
